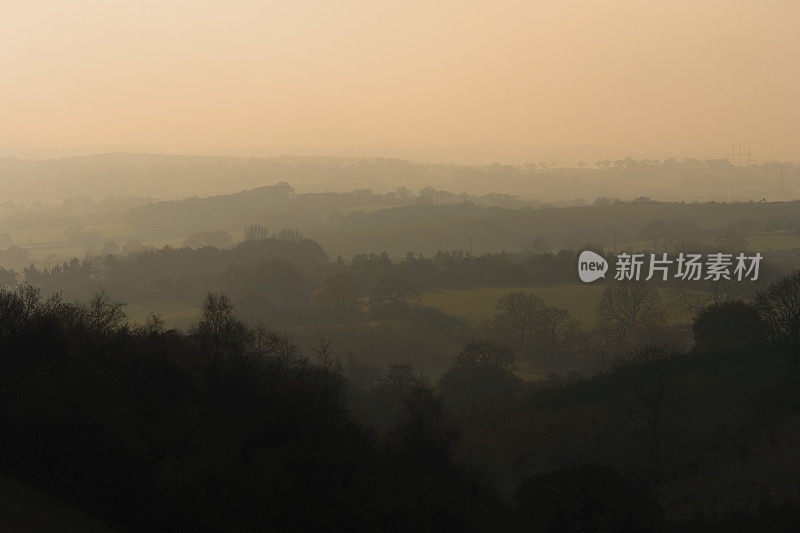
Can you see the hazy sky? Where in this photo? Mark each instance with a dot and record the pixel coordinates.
(683, 77)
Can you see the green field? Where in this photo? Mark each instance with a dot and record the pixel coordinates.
(580, 300)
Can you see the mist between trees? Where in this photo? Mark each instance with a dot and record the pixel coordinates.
(358, 406)
(405, 360)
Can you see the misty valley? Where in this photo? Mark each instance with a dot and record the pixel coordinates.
(451, 266)
(397, 360)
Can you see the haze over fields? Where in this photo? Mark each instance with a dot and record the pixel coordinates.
(321, 265)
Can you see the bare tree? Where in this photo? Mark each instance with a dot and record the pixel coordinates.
(779, 305)
(422, 426)
(219, 330)
(647, 374)
(520, 312)
(629, 312)
(105, 314)
(553, 323)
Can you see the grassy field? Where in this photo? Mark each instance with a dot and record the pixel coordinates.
(174, 315)
(580, 300)
(770, 242)
(50, 244)
(476, 304)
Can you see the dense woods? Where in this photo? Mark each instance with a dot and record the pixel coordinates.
(229, 425)
(271, 381)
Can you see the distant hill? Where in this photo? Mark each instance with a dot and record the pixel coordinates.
(176, 176)
(166, 177)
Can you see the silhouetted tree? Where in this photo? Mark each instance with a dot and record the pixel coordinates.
(729, 325)
(219, 330)
(779, 305)
(422, 429)
(480, 383)
(520, 311)
(647, 374)
(105, 315)
(630, 313)
(391, 289)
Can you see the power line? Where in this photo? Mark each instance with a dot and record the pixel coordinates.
(739, 155)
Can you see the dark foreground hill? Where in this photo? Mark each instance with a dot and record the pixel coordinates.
(230, 428)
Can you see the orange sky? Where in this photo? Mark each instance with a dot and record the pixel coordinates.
(683, 77)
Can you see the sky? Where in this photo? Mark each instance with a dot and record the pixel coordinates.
(647, 77)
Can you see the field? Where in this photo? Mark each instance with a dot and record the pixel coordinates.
(49, 245)
(174, 315)
(770, 242)
(580, 300)
(475, 304)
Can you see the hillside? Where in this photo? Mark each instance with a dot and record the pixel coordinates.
(169, 177)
